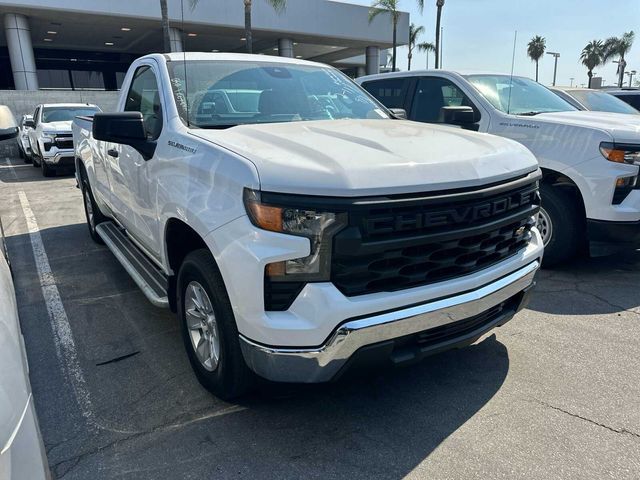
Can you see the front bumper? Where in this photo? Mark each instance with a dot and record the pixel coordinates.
(59, 158)
(325, 362)
(613, 235)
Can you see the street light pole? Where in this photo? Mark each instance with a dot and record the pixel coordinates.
(572, 79)
(631, 74)
(555, 65)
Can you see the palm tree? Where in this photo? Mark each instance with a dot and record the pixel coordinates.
(166, 39)
(278, 6)
(390, 7)
(618, 47)
(427, 47)
(439, 5)
(535, 50)
(592, 56)
(414, 33)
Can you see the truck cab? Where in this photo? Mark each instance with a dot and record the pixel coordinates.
(590, 160)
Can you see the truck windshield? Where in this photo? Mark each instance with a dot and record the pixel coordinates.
(601, 101)
(220, 94)
(65, 114)
(518, 95)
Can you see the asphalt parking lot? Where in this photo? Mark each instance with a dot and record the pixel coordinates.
(555, 393)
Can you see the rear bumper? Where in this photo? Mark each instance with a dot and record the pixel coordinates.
(605, 236)
(468, 316)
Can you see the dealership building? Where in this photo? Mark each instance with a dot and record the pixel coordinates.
(89, 44)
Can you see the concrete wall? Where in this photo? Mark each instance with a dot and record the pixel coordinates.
(24, 102)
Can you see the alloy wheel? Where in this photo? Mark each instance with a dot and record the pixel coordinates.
(202, 326)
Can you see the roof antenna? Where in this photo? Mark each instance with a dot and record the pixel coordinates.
(513, 61)
(184, 58)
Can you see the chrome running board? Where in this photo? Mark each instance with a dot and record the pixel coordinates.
(145, 274)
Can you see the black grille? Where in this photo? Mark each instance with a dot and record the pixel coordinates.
(414, 242)
(279, 296)
(64, 141)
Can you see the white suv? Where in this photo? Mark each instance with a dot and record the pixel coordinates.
(51, 138)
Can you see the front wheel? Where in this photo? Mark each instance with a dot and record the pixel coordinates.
(561, 224)
(47, 171)
(209, 328)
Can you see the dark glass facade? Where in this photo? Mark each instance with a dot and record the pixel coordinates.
(72, 70)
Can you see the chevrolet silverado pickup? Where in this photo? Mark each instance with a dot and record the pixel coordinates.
(50, 135)
(296, 226)
(589, 160)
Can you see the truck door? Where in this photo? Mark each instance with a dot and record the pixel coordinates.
(432, 93)
(131, 189)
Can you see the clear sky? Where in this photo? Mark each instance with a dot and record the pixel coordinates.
(478, 34)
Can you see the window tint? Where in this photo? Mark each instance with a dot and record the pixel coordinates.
(144, 97)
(633, 100)
(433, 93)
(391, 92)
(602, 102)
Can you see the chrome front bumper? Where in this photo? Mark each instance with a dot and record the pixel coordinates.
(54, 159)
(321, 364)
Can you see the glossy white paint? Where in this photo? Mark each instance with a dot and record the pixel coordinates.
(21, 450)
(203, 187)
(565, 142)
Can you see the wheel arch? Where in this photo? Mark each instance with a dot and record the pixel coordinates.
(179, 240)
(556, 179)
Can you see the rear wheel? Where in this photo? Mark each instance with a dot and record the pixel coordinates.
(91, 210)
(209, 328)
(35, 161)
(561, 224)
(21, 153)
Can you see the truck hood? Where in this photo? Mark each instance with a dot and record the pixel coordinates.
(624, 128)
(370, 157)
(57, 127)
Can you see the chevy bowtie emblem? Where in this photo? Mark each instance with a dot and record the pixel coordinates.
(520, 230)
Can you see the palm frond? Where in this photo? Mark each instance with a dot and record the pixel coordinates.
(278, 5)
(536, 47)
(426, 47)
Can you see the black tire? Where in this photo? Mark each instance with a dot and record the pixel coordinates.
(47, 171)
(568, 233)
(26, 158)
(88, 200)
(35, 163)
(231, 377)
(21, 153)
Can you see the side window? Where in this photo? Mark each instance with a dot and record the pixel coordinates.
(144, 97)
(433, 93)
(633, 100)
(390, 92)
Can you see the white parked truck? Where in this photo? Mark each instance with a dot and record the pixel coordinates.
(297, 227)
(50, 135)
(589, 160)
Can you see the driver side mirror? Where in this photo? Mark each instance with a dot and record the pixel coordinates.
(29, 123)
(399, 113)
(126, 128)
(464, 117)
(8, 125)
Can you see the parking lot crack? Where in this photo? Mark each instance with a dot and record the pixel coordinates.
(623, 431)
(604, 300)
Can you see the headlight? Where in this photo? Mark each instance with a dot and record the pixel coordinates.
(621, 153)
(313, 223)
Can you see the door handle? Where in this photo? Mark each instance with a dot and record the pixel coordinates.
(112, 152)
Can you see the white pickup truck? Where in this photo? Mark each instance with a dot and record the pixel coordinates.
(50, 135)
(589, 160)
(298, 228)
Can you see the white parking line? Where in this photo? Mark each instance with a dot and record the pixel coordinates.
(63, 337)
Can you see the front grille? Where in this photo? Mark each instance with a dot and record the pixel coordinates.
(418, 241)
(64, 141)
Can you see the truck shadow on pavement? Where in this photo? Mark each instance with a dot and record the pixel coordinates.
(590, 286)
